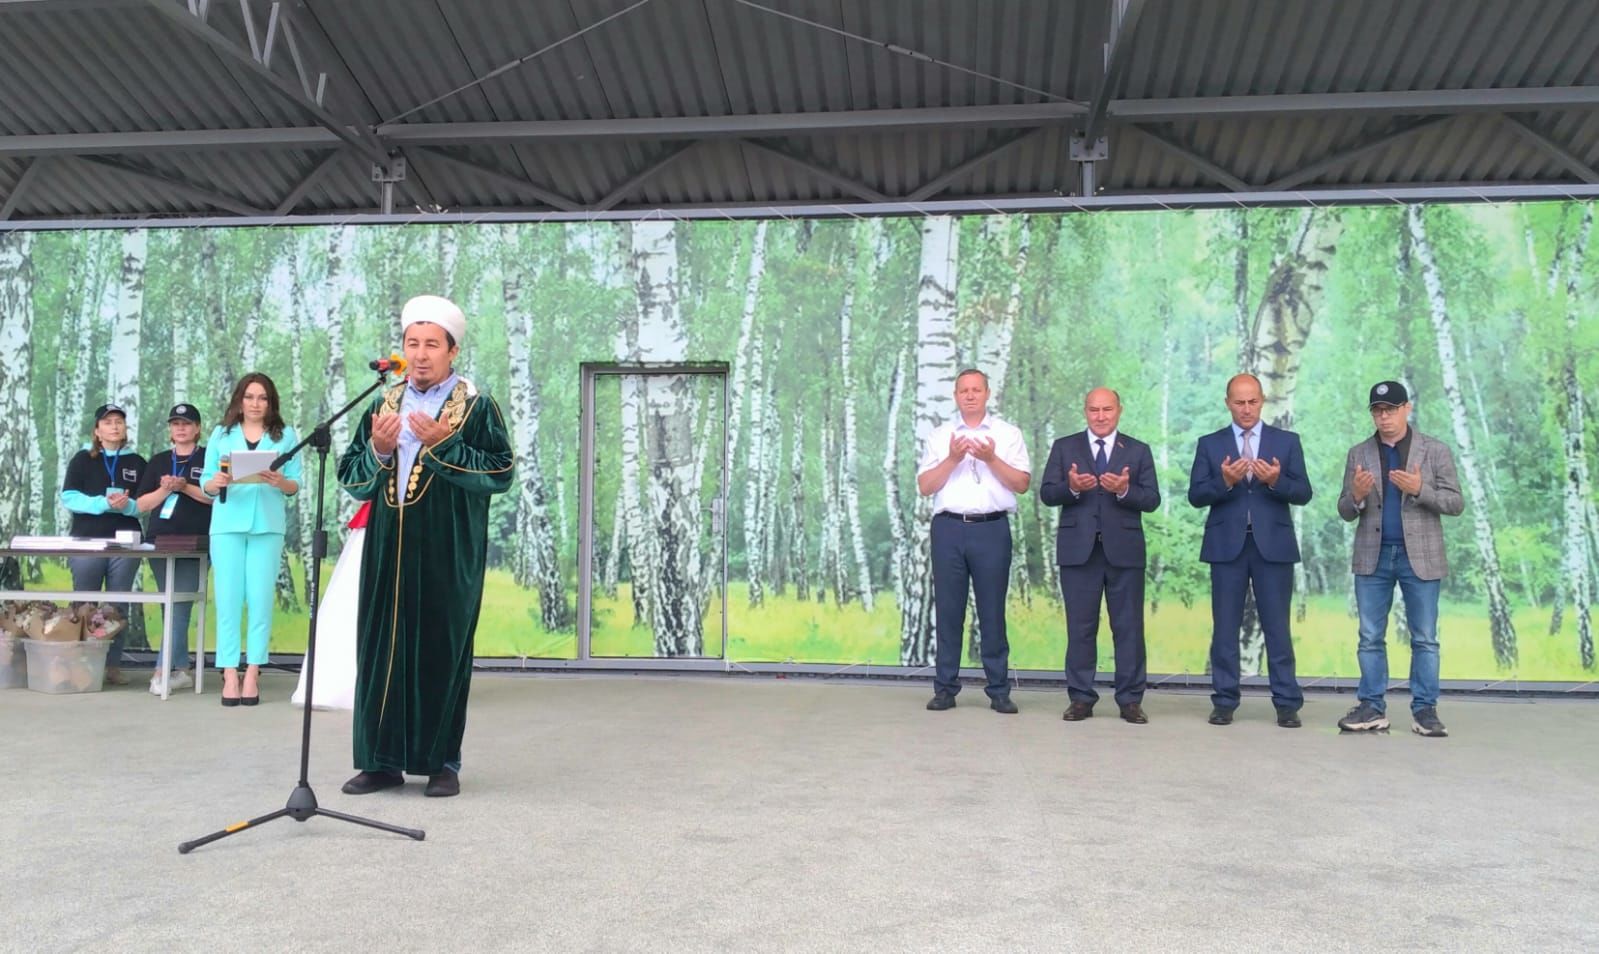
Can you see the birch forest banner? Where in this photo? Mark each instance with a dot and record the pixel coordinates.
(843, 338)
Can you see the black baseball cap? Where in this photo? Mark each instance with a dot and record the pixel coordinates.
(184, 412)
(1391, 393)
(106, 410)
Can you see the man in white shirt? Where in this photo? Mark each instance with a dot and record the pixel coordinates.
(973, 468)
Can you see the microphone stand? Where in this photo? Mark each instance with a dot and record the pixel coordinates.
(302, 804)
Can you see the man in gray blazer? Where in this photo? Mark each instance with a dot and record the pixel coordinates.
(1397, 484)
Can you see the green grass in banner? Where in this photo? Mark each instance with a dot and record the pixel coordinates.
(790, 630)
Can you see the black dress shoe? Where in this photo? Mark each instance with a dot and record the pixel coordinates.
(249, 700)
(1078, 711)
(941, 700)
(1220, 716)
(1288, 718)
(1134, 713)
(230, 703)
(1003, 704)
(366, 783)
(443, 785)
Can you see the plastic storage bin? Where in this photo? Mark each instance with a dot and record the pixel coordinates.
(66, 667)
(13, 663)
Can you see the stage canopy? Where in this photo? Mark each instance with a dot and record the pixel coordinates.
(246, 110)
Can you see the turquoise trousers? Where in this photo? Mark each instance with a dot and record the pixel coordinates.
(246, 573)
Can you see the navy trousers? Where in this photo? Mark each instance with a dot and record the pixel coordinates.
(971, 558)
(1122, 589)
(1274, 592)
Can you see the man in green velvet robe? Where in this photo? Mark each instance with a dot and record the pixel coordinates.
(429, 455)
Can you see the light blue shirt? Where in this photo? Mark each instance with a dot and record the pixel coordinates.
(1254, 439)
(429, 402)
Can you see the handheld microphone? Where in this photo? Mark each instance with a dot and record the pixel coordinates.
(226, 466)
(393, 363)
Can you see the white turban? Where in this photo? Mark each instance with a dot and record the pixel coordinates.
(437, 311)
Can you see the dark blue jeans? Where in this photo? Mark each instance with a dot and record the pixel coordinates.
(1374, 597)
(187, 574)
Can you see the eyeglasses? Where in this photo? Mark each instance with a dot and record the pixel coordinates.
(1384, 410)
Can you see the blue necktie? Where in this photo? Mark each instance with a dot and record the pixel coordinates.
(1099, 458)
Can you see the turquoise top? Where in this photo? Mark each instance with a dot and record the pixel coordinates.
(250, 508)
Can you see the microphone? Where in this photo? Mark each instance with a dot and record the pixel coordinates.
(393, 363)
(226, 466)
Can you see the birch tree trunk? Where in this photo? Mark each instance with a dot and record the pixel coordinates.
(537, 561)
(640, 551)
(180, 334)
(123, 371)
(742, 369)
(674, 517)
(771, 460)
(221, 345)
(81, 337)
(1293, 295)
(753, 381)
(1578, 567)
(795, 542)
(994, 340)
(640, 554)
(866, 235)
(935, 404)
(612, 572)
(16, 370)
(122, 377)
(1240, 229)
(901, 550)
(1500, 623)
(343, 285)
(299, 322)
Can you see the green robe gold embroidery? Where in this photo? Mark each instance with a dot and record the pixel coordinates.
(422, 581)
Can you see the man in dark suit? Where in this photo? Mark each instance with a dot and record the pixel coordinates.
(1104, 483)
(1248, 474)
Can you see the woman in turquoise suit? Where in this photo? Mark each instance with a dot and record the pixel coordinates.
(247, 529)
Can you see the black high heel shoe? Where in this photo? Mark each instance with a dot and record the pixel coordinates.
(249, 700)
(230, 703)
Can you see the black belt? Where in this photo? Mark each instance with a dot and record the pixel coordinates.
(973, 517)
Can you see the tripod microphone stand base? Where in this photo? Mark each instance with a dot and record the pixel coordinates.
(302, 804)
(301, 807)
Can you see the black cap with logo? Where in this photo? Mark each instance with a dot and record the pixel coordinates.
(1391, 393)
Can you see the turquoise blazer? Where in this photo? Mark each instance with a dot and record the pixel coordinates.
(251, 508)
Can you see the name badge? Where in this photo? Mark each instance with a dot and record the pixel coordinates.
(168, 507)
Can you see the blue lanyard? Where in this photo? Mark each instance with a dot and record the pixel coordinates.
(178, 465)
(110, 463)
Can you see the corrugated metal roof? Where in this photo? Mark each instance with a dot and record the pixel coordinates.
(69, 68)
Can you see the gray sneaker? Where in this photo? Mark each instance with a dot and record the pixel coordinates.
(1425, 722)
(1364, 718)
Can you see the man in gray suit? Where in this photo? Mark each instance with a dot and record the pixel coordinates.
(1397, 484)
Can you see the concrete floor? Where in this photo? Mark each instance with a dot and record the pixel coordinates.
(612, 813)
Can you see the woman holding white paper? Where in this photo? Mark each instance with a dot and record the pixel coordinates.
(247, 525)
